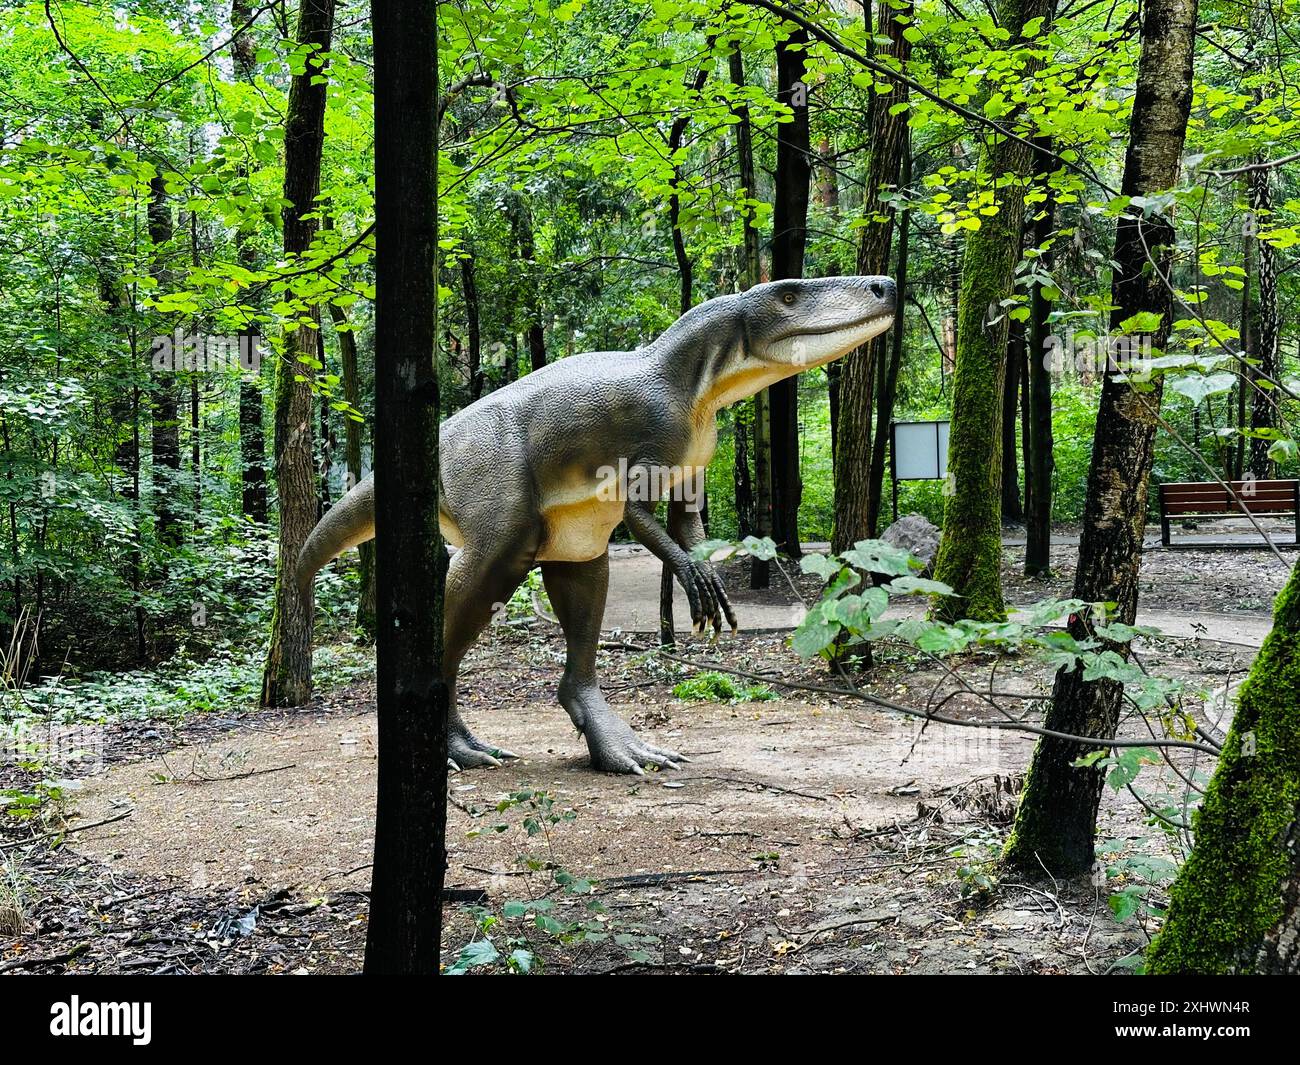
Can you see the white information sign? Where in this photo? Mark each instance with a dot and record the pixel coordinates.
(920, 451)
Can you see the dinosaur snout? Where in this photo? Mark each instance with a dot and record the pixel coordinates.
(882, 289)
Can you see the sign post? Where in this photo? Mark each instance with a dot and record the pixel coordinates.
(918, 452)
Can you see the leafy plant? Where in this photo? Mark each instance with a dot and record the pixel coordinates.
(512, 939)
(712, 686)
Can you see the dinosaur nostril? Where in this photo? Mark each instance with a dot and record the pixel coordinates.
(878, 290)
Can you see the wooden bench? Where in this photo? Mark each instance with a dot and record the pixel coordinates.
(1200, 498)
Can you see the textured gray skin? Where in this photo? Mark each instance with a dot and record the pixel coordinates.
(526, 480)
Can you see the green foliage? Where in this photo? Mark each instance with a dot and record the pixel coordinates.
(513, 940)
(721, 688)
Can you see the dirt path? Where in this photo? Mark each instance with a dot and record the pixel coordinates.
(1190, 579)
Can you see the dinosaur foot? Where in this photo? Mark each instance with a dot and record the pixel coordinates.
(616, 748)
(465, 751)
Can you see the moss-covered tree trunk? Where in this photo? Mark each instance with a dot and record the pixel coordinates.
(970, 553)
(286, 677)
(857, 387)
(1056, 822)
(1235, 906)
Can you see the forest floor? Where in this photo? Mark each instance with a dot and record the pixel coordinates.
(809, 832)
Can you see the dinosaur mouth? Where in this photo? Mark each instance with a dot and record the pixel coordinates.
(848, 327)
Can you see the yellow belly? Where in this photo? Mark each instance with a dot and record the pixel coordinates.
(578, 530)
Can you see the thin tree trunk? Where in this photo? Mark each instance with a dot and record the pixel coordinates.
(1266, 325)
(888, 387)
(252, 433)
(365, 617)
(521, 226)
(474, 353)
(1056, 822)
(196, 466)
(686, 277)
(286, 678)
(789, 237)
(758, 496)
(165, 435)
(1038, 439)
(1247, 375)
(404, 930)
(1011, 509)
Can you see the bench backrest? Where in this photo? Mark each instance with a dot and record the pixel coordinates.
(1210, 497)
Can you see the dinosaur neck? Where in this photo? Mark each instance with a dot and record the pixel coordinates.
(705, 355)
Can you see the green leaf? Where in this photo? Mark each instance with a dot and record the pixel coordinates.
(877, 556)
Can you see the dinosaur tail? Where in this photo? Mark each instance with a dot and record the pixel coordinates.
(349, 522)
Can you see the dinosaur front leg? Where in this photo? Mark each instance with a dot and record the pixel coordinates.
(686, 527)
(476, 587)
(704, 592)
(577, 592)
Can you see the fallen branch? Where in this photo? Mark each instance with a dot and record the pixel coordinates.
(754, 783)
(849, 923)
(67, 831)
(51, 959)
(638, 880)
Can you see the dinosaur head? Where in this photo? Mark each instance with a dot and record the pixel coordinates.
(799, 324)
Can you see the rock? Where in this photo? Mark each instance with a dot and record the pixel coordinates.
(913, 533)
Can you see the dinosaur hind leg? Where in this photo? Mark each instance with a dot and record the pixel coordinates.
(577, 592)
(477, 586)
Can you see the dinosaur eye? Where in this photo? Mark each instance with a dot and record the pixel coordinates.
(788, 297)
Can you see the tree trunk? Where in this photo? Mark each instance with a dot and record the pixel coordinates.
(686, 298)
(286, 678)
(757, 496)
(789, 236)
(1038, 442)
(1235, 907)
(1235, 461)
(853, 454)
(405, 926)
(1056, 823)
(474, 321)
(970, 553)
(365, 616)
(1266, 325)
(196, 421)
(252, 434)
(521, 227)
(165, 435)
(888, 389)
(1011, 509)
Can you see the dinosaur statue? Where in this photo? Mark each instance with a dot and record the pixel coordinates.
(541, 471)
